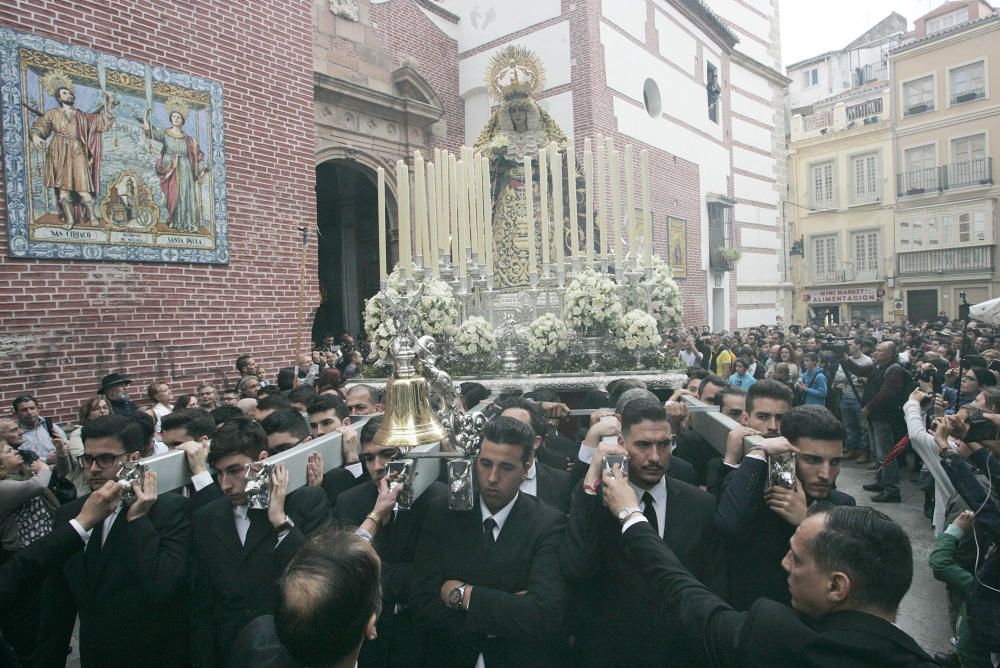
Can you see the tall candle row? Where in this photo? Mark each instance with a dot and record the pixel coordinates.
(445, 209)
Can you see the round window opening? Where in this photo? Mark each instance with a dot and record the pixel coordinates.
(651, 98)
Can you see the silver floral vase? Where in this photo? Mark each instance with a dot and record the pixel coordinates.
(592, 348)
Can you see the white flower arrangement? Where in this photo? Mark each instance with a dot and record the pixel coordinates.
(475, 337)
(436, 311)
(548, 335)
(591, 304)
(637, 332)
(666, 303)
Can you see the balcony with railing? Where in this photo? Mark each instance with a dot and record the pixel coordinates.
(966, 174)
(848, 275)
(976, 172)
(818, 120)
(864, 110)
(919, 108)
(869, 73)
(968, 95)
(963, 260)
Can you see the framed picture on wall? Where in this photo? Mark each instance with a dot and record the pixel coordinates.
(677, 246)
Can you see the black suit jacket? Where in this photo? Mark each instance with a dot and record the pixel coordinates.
(27, 567)
(339, 480)
(620, 604)
(233, 583)
(130, 593)
(756, 538)
(507, 628)
(399, 643)
(770, 634)
(552, 486)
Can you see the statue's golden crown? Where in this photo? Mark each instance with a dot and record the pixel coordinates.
(514, 72)
(177, 104)
(53, 80)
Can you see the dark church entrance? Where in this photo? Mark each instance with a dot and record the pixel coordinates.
(347, 220)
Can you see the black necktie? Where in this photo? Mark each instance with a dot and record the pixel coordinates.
(488, 525)
(93, 549)
(649, 512)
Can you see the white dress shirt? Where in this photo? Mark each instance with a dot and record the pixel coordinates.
(109, 522)
(242, 519)
(530, 484)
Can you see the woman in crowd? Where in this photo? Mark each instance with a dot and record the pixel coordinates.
(67, 464)
(186, 401)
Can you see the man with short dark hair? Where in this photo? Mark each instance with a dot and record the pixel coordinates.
(758, 516)
(619, 604)
(848, 568)
(709, 386)
(488, 586)
(301, 396)
(190, 430)
(549, 484)
(370, 506)
(129, 584)
(732, 402)
(269, 404)
(239, 552)
(230, 396)
(37, 432)
(364, 400)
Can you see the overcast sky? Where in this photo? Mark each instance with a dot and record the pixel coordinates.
(809, 27)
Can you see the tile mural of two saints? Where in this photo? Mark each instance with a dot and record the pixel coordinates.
(109, 159)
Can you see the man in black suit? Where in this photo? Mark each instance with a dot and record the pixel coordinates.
(757, 519)
(549, 484)
(191, 430)
(848, 568)
(488, 584)
(329, 413)
(129, 585)
(622, 622)
(239, 553)
(394, 533)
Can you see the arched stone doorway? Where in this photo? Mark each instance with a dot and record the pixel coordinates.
(347, 222)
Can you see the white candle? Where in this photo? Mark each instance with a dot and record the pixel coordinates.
(420, 207)
(529, 202)
(487, 213)
(574, 211)
(403, 213)
(432, 223)
(588, 181)
(463, 218)
(616, 208)
(630, 204)
(602, 200)
(475, 209)
(453, 209)
(558, 219)
(647, 212)
(543, 191)
(382, 265)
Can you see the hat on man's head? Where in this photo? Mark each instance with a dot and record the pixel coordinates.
(111, 380)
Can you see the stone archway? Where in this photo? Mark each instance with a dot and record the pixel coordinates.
(347, 229)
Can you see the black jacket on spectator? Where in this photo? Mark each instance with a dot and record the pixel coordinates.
(769, 634)
(756, 537)
(130, 593)
(552, 486)
(884, 394)
(508, 629)
(625, 625)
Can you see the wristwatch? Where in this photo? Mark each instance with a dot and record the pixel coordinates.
(456, 595)
(284, 526)
(626, 513)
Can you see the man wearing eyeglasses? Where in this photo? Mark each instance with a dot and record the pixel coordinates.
(239, 552)
(129, 583)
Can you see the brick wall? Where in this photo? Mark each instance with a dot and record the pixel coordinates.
(65, 324)
(410, 37)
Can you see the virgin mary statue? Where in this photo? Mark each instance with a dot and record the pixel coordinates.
(519, 127)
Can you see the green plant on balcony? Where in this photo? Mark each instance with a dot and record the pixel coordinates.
(730, 255)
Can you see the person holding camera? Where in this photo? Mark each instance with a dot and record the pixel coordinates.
(881, 403)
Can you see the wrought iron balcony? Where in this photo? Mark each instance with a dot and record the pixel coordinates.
(970, 173)
(849, 275)
(919, 181)
(869, 73)
(968, 95)
(962, 260)
(921, 108)
(965, 174)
